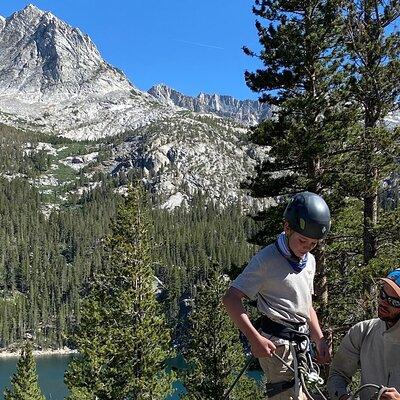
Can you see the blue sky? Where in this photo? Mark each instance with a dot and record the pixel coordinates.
(192, 46)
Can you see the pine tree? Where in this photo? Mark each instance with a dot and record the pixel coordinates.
(214, 354)
(366, 232)
(372, 45)
(123, 340)
(25, 385)
(302, 80)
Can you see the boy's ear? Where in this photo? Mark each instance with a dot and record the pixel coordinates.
(287, 228)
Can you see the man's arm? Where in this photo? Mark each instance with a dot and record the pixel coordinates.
(344, 365)
(323, 349)
(260, 346)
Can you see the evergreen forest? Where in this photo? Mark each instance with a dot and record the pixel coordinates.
(46, 258)
(76, 265)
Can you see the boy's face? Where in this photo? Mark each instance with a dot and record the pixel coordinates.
(299, 244)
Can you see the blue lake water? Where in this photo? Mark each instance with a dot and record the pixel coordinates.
(51, 376)
(50, 370)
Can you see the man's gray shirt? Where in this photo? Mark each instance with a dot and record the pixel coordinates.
(374, 349)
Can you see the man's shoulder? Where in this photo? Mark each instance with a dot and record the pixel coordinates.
(369, 323)
(365, 327)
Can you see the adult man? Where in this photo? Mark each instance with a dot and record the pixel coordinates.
(373, 347)
(280, 277)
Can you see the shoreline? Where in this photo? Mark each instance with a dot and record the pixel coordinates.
(65, 351)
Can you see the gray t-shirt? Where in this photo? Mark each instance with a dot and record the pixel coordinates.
(281, 293)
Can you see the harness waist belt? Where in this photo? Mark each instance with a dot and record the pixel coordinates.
(273, 389)
(282, 331)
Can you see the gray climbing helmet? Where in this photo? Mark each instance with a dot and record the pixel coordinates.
(308, 214)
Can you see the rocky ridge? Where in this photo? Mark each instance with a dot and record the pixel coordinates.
(247, 112)
(190, 153)
(54, 80)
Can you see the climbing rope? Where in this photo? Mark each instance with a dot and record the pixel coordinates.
(306, 371)
(244, 369)
(380, 390)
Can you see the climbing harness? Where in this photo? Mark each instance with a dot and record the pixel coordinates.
(306, 372)
(275, 388)
(287, 332)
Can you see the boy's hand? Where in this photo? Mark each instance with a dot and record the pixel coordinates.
(324, 351)
(262, 347)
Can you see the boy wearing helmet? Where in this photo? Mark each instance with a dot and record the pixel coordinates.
(280, 278)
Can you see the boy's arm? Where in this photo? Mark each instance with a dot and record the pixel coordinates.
(260, 346)
(324, 353)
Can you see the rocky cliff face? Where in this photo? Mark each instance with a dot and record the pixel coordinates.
(189, 153)
(54, 80)
(43, 58)
(247, 112)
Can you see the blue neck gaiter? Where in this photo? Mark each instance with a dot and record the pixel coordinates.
(298, 264)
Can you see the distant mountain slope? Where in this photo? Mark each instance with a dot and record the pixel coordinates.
(188, 153)
(248, 112)
(54, 80)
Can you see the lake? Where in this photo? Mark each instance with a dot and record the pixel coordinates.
(50, 370)
(51, 375)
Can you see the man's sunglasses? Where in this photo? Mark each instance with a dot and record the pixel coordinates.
(393, 301)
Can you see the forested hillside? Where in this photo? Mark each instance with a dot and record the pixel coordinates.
(49, 253)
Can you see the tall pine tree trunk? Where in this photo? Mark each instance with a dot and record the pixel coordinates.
(371, 191)
(372, 113)
(370, 221)
(321, 281)
(370, 199)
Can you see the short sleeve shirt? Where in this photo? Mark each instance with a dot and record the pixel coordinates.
(281, 293)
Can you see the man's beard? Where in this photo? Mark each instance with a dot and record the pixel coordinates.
(387, 317)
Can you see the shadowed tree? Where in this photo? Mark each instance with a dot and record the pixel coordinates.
(372, 45)
(367, 234)
(24, 383)
(123, 339)
(303, 81)
(214, 352)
